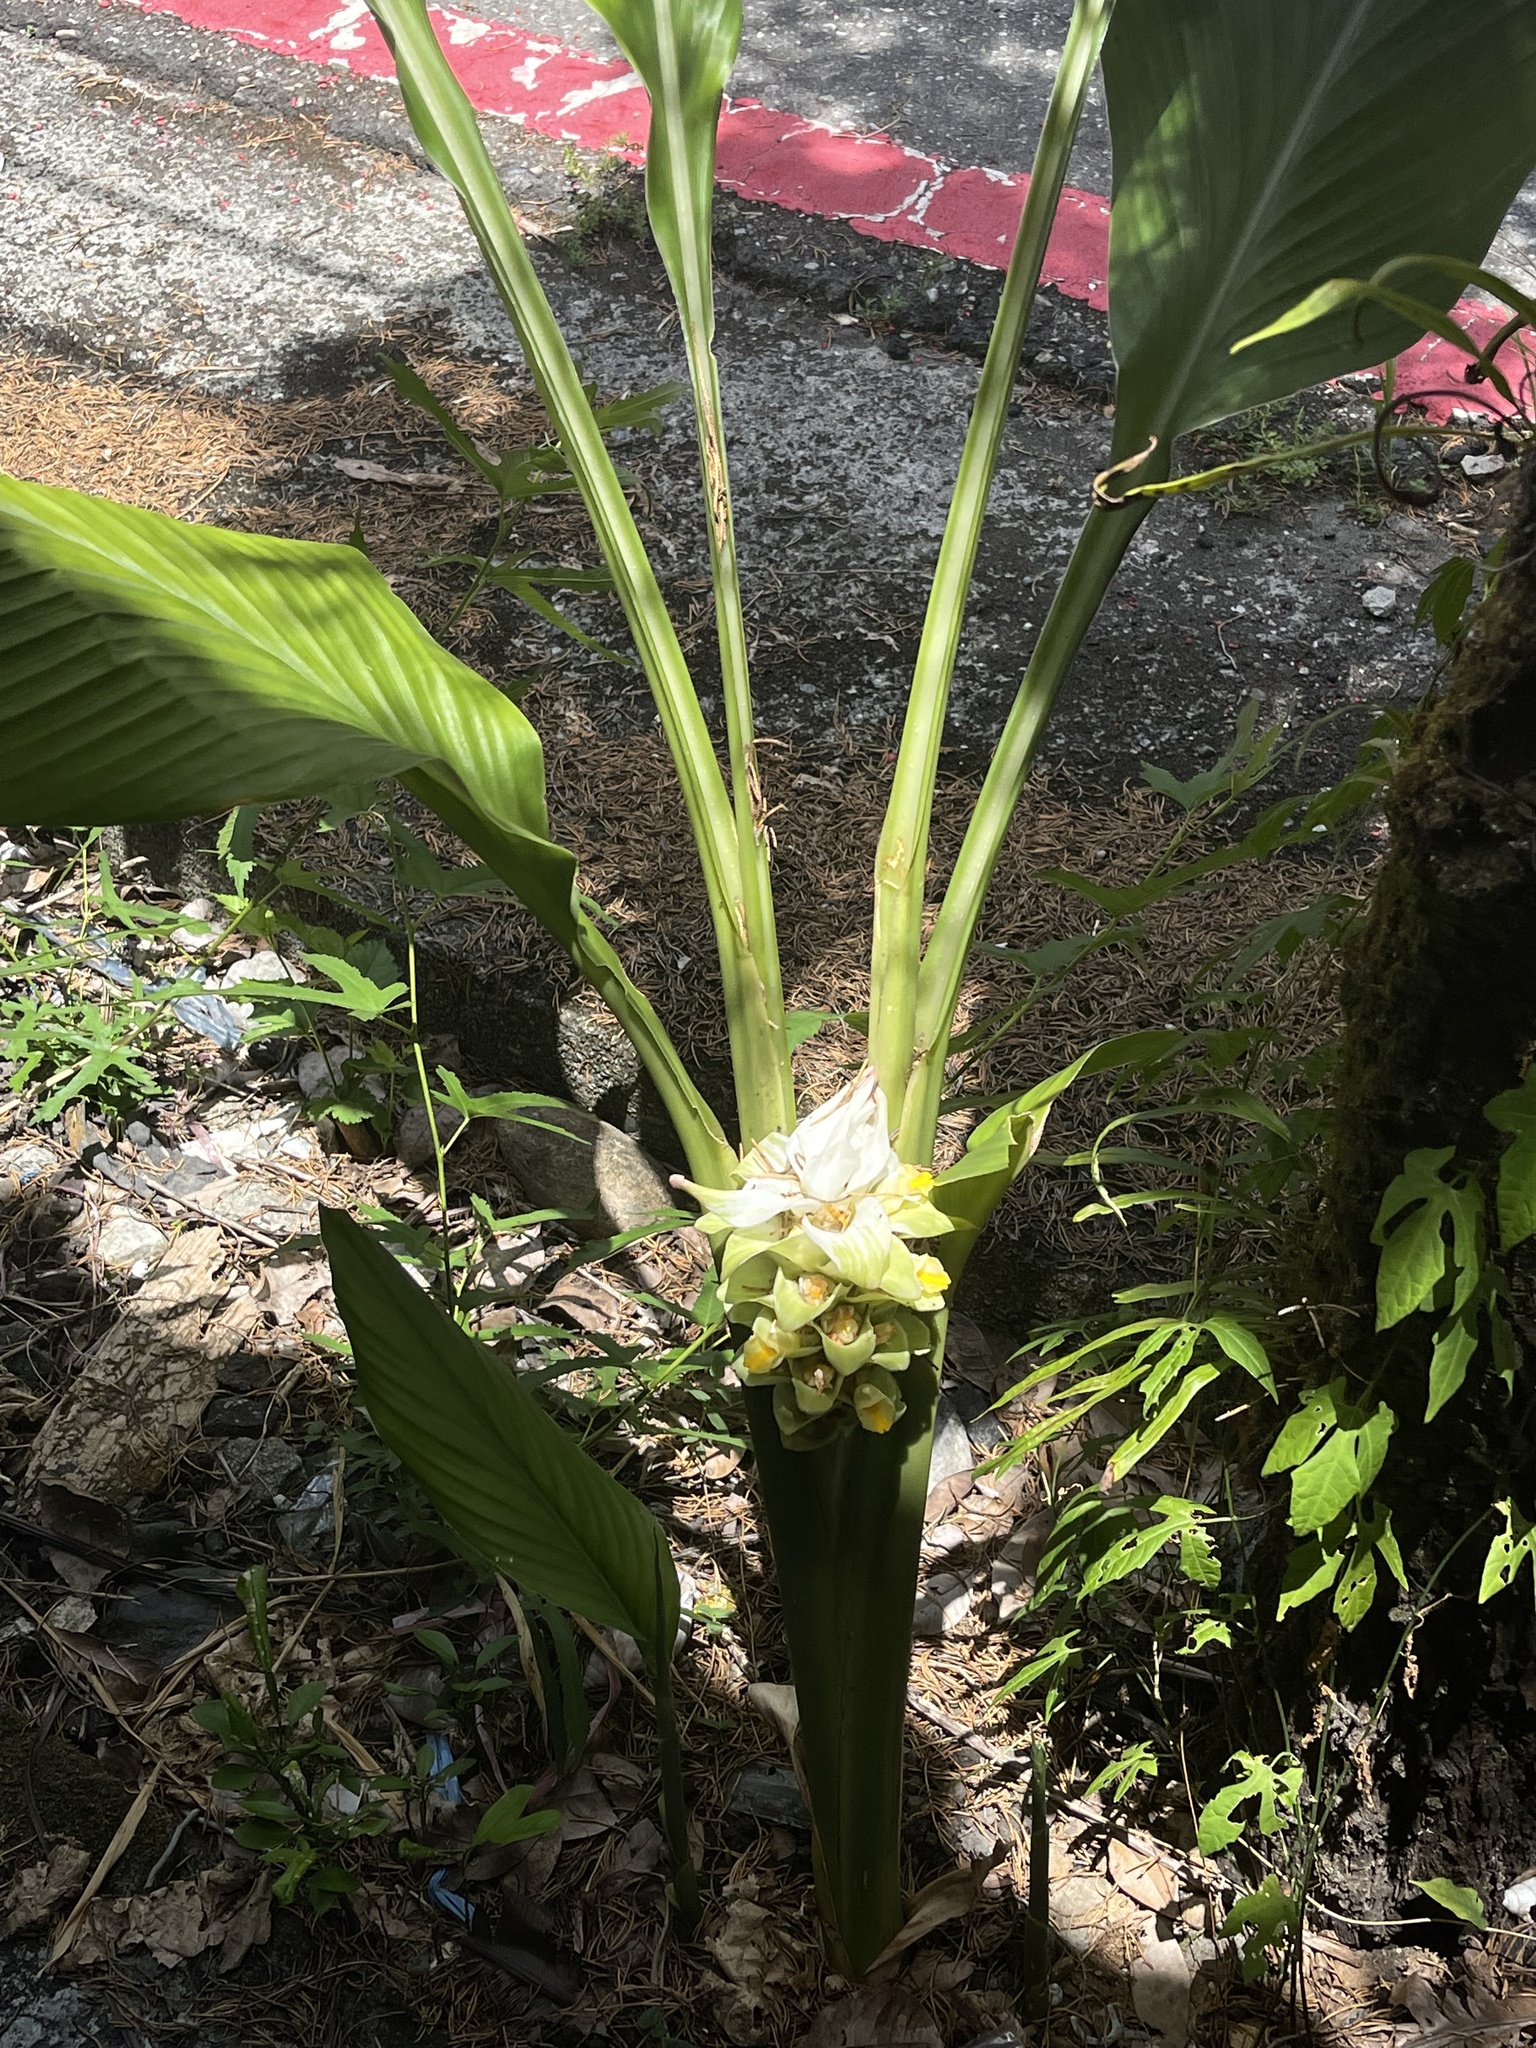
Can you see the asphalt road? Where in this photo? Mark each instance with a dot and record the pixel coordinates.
(967, 82)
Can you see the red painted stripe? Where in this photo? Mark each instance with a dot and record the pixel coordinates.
(877, 185)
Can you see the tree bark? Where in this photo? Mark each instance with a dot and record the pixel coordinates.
(1438, 992)
(1439, 989)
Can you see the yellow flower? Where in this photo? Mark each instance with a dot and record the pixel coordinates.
(931, 1276)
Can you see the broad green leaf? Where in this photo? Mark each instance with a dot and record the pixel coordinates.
(1413, 1254)
(1459, 1899)
(1371, 1440)
(498, 1468)
(1266, 1918)
(1515, 1111)
(1356, 1589)
(1515, 1542)
(1446, 596)
(153, 669)
(1276, 1784)
(1265, 148)
(1326, 1484)
(1197, 1558)
(1243, 1348)
(1305, 1429)
(1454, 1349)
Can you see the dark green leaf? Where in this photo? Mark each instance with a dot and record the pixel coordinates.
(495, 1464)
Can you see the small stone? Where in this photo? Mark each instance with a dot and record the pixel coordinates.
(413, 1134)
(265, 966)
(236, 1415)
(268, 1466)
(1380, 600)
(21, 1165)
(139, 1134)
(571, 1160)
(245, 1372)
(1481, 465)
(770, 1793)
(319, 1073)
(943, 1602)
(128, 1240)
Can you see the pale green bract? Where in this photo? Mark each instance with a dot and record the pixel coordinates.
(817, 1238)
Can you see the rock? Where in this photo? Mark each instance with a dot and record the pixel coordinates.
(943, 1602)
(246, 1372)
(571, 1160)
(949, 1473)
(21, 1165)
(160, 1622)
(129, 1241)
(263, 966)
(770, 1793)
(1160, 1984)
(1479, 466)
(236, 1415)
(413, 1134)
(1380, 600)
(265, 1464)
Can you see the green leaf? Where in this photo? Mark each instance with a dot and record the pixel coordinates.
(1331, 1478)
(1275, 1782)
(1136, 1446)
(1445, 598)
(513, 1105)
(1264, 149)
(1356, 1589)
(1197, 1558)
(1061, 1653)
(303, 1700)
(1454, 1349)
(1515, 1543)
(1310, 1570)
(498, 1468)
(1266, 1918)
(507, 1821)
(440, 1645)
(684, 50)
(1413, 1255)
(1119, 1776)
(1243, 1348)
(154, 669)
(1459, 1899)
(1305, 1429)
(1000, 1147)
(1515, 1111)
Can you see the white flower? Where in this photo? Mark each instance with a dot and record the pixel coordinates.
(832, 1174)
(814, 1253)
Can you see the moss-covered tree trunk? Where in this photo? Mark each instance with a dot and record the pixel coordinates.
(1439, 999)
(1439, 989)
